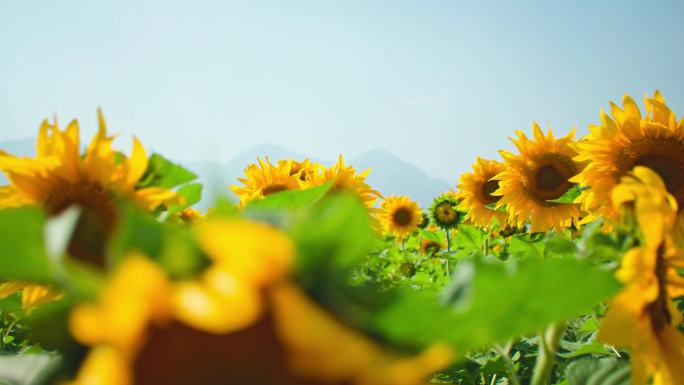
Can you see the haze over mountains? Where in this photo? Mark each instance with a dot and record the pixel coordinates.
(390, 174)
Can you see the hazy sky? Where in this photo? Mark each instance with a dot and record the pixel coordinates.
(434, 82)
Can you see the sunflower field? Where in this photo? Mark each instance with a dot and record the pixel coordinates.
(560, 264)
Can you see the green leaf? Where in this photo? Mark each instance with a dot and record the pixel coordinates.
(569, 196)
(11, 303)
(558, 247)
(171, 245)
(592, 371)
(290, 200)
(27, 369)
(136, 231)
(163, 173)
(522, 247)
(332, 237)
(498, 302)
(22, 255)
(192, 192)
(431, 236)
(469, 238)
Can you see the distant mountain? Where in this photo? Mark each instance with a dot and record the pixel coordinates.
(23, 147)
(392, 175)
(389, 175)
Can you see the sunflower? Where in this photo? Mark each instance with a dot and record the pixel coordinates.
(627, 139)
(538, 174)
(642, 316)
(304, 170)
(400, 216)
(59, 177)
(444, 212)
(242, 322)
(429, 247)
(346, 178)
(475, 192)
(265, 179)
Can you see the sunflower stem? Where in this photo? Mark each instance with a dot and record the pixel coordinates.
(505, 353)
(448, 239)
(546, 358)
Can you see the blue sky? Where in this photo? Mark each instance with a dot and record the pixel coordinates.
(434, 82)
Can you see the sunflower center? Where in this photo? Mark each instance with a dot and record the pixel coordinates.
(176, 354)
(487, 189)
(658, 310)
(549, 179)
(402, 216)
(665, 156)
(273, 188)
(96, 222)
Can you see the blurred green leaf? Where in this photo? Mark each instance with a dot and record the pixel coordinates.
(27, 369)
(431, 236)
(332, 237)
(11, 303)
(163, 173)
(136, 231)
(49, 326)
(192, 193)
(558, 247)
(22, 255)
(501, 302)
(291, 199)
(521, 246)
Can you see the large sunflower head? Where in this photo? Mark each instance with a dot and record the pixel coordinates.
(540, 173)
(627, 139)
(400, 216)
(242, 321)
(59, 177)
(346, 178)
(444, 212)
(475, 190)
(265, 178)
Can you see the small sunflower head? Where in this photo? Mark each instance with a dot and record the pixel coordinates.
(400, 216)
(444, 212)
(429, 247)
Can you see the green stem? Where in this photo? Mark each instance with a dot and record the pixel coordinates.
(546, 359)
(504, 352)
(448, 239)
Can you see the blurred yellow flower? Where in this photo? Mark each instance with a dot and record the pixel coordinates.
(400, 216)
(538, 174)
(642, 316)
(266, 178)
(241, 321)
(475, 191)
